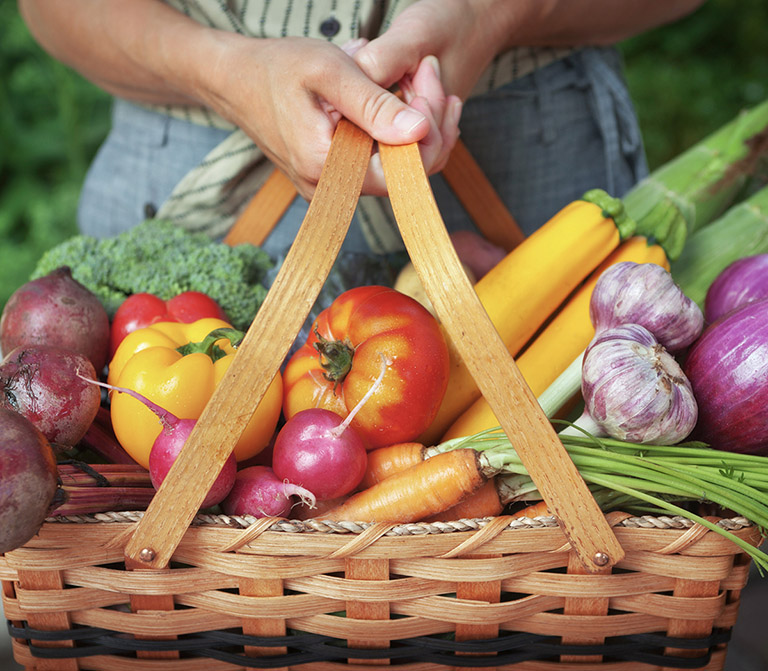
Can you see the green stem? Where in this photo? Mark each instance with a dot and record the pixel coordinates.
(759, 557)
(208, 345)
(562, 389)
(335, 358)
(719, 490)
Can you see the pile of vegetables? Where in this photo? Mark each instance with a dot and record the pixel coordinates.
(606, 309)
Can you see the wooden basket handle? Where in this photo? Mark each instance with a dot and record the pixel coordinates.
(285, 309)
(487, 358)
(259, 356)
(462, 174)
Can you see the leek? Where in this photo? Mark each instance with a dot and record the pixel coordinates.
(741, 231)
(693, 189)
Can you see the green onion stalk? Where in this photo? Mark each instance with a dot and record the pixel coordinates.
(648, 478)
(690, 191)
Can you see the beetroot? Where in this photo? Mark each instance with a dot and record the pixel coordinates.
(46, 386)
(56, 310)
(28, 480)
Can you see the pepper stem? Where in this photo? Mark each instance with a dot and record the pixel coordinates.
(208, 344)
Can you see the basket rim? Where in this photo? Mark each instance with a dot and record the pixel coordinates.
(319, 525)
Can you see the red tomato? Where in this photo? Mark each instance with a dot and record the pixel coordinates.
(366, 331)
(140, 310)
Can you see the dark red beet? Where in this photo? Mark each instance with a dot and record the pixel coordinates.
(28, 480)
(44, 385)
(56, 310)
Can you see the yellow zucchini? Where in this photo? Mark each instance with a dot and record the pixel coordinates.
(561, 341)
(527, 286)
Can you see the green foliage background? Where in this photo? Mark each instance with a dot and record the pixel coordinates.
(687, 79)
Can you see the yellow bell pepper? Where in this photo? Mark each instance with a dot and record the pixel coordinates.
(154, 361)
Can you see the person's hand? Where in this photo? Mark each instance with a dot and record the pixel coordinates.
(288, 94)
(424, 92)
(463, 34)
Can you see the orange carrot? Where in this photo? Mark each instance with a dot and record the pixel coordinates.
(417, 492)
(386, 461)
(538, 509)
(484, 502)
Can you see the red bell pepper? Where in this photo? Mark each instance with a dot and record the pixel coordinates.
(140, 310)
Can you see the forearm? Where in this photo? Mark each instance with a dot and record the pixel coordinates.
(560, 23)
(141, 50)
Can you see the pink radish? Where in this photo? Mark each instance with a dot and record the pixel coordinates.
(319, 450)
(168, 444)
(259, 492)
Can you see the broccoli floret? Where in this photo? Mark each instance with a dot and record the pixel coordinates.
(161, 258)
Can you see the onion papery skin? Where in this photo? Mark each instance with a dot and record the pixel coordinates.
(742, 282)
(646, 294)
(635, 390)
(728, 370)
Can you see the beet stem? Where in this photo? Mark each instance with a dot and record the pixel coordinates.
(89, 500)
(105, 444)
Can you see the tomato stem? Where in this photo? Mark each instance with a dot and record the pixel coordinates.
(335, 358)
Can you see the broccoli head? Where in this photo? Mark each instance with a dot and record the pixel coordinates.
(161, 258)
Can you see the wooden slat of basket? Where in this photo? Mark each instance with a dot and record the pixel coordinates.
(59, 546)
(588, 603)
(51, 620)
(462, 173)
(114, 663)
(264, 210)
(259, 356)
(255, 626)
(359, 608)
(487, 358)
(488, 591)
(688, 627)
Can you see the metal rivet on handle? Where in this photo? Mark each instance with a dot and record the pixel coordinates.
(147, 555)
(601, 559)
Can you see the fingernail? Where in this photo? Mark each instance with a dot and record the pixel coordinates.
(407, 120)
(456, 108)
(432, 60)
(353, 46)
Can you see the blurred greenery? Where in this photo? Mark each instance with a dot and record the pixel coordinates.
(51, 122)
(687, 79)
(690, 77)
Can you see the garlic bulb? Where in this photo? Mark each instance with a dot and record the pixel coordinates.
(634, 389)
(646, 294)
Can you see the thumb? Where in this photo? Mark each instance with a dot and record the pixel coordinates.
(380, 113)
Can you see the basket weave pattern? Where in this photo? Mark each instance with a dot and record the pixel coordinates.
(416, 596)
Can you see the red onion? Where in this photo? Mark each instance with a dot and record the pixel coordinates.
(743, 281)
(645, 294)
(728, 370)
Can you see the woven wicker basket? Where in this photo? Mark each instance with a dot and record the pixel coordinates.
(170, 589)
(272, 593)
